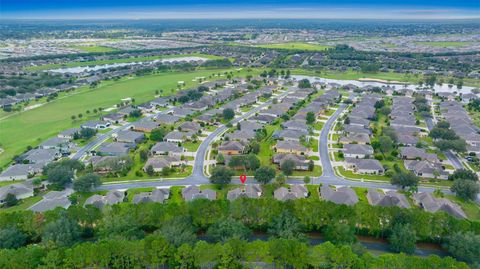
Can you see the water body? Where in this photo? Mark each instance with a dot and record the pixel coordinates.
(81, 69)
(436, 88)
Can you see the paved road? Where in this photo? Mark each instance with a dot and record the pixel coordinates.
(456, 162)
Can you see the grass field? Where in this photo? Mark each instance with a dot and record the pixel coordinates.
(113, 61)
(295, 46)
(444, 44)
(33, 126)
(94, 48)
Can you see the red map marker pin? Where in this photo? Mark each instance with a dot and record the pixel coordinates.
(243, 178)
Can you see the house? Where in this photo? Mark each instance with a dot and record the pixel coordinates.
(95, 124)
(301, 162)
(189, 126)
(290, 135)
(414, 153)
(193, 192)
(111, 198)
(358, 121)
(290, 147)
(20, 191)
(355, 129)
(241, 135)
(52, 200)
(341, 195)
(69, 134)
(43, 156)
(250, 125)
(55, 143)
(357, 151)
(247, 191)
(364, 166)
(182, 112)
(264, 119)
(155, 196)
(160, 162)
(425, 168)
(104, 164)
(432, 204)
(166, 119)
(167, 148)
(407, 140)
(160, 102)
(21, 171)
(144, 126)
(388, 198)
(294, 192)
(295, 125)
(126, 110)
(128, 136)
(178, 137)
(362, 139)
(231, 148)
(114, 118)
(115, 149)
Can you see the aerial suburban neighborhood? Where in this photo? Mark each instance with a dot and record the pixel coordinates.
(272, 143)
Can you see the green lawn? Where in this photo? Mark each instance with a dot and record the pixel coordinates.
(33, 126)
(191, 146)
(23, 204)
(350, 174)
(444, 44)
(93, 48)
(295, 46)
(119, 60)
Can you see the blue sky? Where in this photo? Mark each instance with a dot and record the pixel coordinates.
(189, 9)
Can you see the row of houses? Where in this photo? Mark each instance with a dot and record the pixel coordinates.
(341, 195)
(356, 136)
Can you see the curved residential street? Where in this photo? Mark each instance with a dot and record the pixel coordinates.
(198, 175)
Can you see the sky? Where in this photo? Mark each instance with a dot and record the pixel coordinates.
(220, 9)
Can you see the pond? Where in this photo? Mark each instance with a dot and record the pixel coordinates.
(81, 69)
(436, 88)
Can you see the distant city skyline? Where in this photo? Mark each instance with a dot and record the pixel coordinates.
(223, 9)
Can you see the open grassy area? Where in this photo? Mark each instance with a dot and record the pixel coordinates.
(93, 48)
(444, 44)
(23, 204)
(33, 126)
(113, 61)
(295, 46)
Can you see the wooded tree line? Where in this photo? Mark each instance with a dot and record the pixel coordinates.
(156, 252)
(223, 220)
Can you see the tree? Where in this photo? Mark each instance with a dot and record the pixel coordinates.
(287, 167)
(143, 155)
(385, 111)
(306, 180)
(304, 83)
(221, 176)
(228, 114)
(402, 238)
(220, 158)
(264, 174)
(254, 147)
(87, 183)
(11, 200)
(403, 179)
(60, 175)
(286, 226)
(12, 238)
(465, 189)
(62, 232)
(379, 104)
(227, 229)
(123, 227)
(340, 233)
(310, 118)
(87, 133)
(463, 174)
(158, 134)
(178, 230)
(150, 171)
(280, 179)
(465, 247)
(385, 144)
